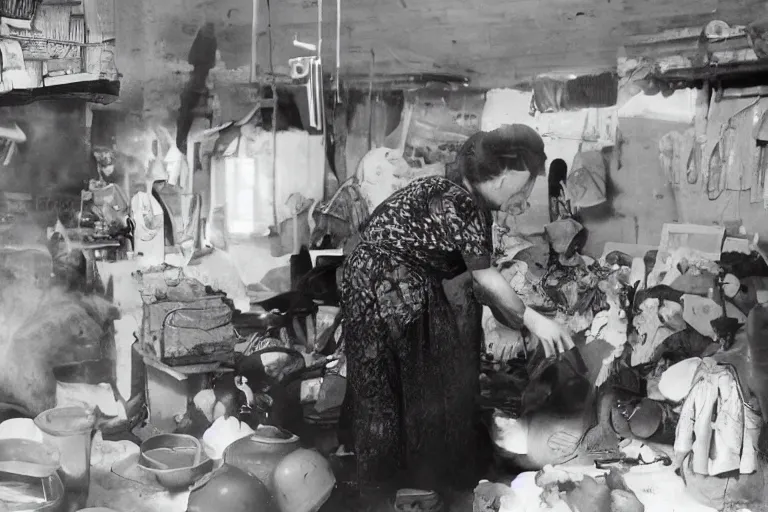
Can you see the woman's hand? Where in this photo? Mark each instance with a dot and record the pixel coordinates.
(493, 290)
(554, 338)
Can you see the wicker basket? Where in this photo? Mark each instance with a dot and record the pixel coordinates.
(19, 9)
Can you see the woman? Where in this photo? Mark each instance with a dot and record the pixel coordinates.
(413, 358)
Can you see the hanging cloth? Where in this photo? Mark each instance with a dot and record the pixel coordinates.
(732, 156)
(760, 135)
(586, 184)
(149, 233)
(740, 148)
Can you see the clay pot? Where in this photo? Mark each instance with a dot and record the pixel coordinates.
(260, 453)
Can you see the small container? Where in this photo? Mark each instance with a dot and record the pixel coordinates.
(259, 453)
(28, 477)
(70, 430)
(176, 460)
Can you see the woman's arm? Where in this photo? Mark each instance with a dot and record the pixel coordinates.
(470, 232)
(493, 290)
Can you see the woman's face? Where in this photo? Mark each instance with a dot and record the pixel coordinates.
(508, 192)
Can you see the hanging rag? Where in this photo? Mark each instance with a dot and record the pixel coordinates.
(732, 156)
(586, 184)
(716, 175)
(761, 159)
(741, 148)
(549, 95)
(676, 155)
(696, 157)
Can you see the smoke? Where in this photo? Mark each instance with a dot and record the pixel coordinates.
(55, 159)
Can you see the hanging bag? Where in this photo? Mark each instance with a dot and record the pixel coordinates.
(586, 183)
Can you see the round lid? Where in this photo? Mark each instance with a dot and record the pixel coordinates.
(716, 29)
(268, 434)
(66, 421)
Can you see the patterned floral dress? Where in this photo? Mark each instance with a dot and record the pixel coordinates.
(412, 340)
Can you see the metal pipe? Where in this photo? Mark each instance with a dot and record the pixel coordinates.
(338, 51)
(254, 39)
(320, 30)
(414, 79)
(274, 157)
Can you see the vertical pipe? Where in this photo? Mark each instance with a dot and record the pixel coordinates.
(274, 157)
(338, 51)
(254, 39)
(319, 30)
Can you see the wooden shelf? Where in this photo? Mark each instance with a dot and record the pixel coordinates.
(98, 91)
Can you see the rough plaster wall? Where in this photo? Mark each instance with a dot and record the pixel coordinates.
(153, 74)
(643, 200)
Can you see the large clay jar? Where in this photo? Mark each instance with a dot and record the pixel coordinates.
(259, 453)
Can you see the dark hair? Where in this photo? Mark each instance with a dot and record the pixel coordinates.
(558, 173)
(485, 155)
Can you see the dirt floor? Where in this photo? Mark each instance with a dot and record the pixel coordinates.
(346, 499)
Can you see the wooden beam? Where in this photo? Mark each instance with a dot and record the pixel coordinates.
(101, 91)
(734, 56)
(666, 36)
(718, 72)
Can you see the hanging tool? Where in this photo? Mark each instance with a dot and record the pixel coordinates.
(311, 95)
(722, 159)
(274, 155)
(311, 67)
(301, 44)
